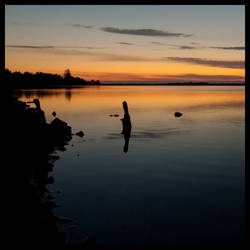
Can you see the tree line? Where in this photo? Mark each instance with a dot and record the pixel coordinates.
(44, 80)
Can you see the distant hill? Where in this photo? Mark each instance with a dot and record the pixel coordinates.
(44, 80)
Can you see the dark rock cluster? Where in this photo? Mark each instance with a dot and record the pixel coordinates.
(32, 152)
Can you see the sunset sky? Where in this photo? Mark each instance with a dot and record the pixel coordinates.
(128, 42)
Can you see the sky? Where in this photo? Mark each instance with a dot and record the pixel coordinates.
(128, 42)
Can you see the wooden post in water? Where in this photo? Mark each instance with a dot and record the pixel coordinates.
(126, 126)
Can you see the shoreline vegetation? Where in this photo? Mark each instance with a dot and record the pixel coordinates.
(44, 80)
(40, 80)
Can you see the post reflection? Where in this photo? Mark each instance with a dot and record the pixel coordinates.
(126, 126)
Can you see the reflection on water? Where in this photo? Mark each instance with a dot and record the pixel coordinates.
(181, 180)
(126, 126)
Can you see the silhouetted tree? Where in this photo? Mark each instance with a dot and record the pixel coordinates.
(67, 74)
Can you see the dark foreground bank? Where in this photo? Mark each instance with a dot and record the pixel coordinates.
(31, 222)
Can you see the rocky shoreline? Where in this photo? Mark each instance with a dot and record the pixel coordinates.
(34, 142)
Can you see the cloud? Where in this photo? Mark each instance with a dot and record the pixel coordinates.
(213, 63)
(124, 43)
(229, 48)
(103, 56)
(78, 47)
(186, 47)
(30, 47)
(144, 32)
(158, 43)
(119, 57)
(97, 55)
(81, 26)
(176, 46)
(197, 77)
(50, 47)
(183, 46)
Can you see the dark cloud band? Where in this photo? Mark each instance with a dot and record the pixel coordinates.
(144, 32)
(213, 63)
(229, 48)
(81, 26)
(124, 43)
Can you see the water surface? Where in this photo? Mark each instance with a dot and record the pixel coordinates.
(182, 179)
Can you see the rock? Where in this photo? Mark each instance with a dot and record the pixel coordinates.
(49, 205)
(54, 113)
(61, 148)
(116, 115)
(63, 219)
(50, 180)
(177, 114)
(57, 123)
(80, 133)
(89, 241)
(59, 130)
(49, 166)
(71, 227)
(50, 197)
(110, 115)
(53, 157)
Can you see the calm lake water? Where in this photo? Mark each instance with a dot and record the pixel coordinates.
(182, 180)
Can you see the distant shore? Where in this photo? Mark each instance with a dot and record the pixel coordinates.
(128, 84)
(40, 80)
(172, 84)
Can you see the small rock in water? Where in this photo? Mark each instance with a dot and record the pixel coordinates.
(110, 115)
(177, 114)
(80, 133)
(54, 113)
(116, 115)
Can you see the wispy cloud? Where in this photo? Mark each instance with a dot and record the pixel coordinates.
(29, 47)
(120, 57)
(96, 55)
(93, 53)
(50, 47)
(144, 32)
(197, 77)
(187, 47)
(213, 63)
(176, 46)
(77, 25)
(124, 43)
(229, 48)
(158, 43)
